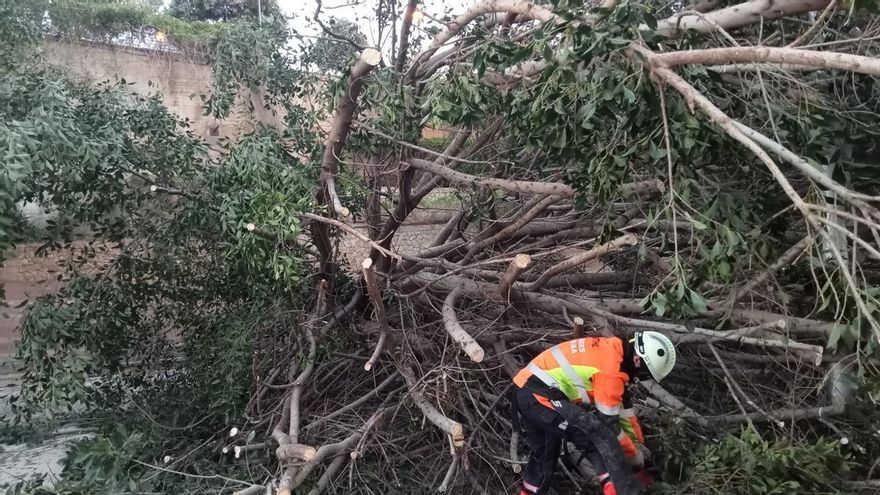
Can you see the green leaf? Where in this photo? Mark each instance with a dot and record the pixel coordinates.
(698, 303)
(834, 337)
(689, 143)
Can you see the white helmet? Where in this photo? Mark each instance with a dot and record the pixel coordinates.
(657, 351)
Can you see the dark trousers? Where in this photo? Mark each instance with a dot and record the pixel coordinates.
(547, 429)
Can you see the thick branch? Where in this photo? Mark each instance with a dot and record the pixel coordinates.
(790, 414)
(457, 332)
(767, 54)
(514, 452)
(291, 451)
(743, 14)
(400, 59)
(575, 261)
(296, 390)
(367, 61)
(451, 427)
(525, 9)
(381, 317)
(518, 186)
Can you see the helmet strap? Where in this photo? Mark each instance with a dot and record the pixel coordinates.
(629, 353)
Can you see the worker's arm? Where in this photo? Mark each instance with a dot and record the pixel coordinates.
(628, 420)
(608, 392)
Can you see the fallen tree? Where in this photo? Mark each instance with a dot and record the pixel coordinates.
(608, 182)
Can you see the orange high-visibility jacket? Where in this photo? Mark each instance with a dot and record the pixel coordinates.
(589, 370)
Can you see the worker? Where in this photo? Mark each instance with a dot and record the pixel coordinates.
(583, 382)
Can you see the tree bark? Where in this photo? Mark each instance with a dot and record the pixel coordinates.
(400, 59)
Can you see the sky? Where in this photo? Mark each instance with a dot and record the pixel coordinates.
(362, 12)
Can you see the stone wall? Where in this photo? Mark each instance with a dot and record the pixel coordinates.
(179, 78)
(30, 272)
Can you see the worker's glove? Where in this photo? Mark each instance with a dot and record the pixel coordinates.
(608, 487)
(637, 461)
(525, 491)
(645, 479)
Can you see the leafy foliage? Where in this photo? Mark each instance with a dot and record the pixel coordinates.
(20, 29)
(333, 55)
(134, 21)
(245, 56)
(220, 10)
(261, 184)
(749, 465)
(99, 17)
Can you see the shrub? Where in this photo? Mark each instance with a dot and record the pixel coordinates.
(747, 464)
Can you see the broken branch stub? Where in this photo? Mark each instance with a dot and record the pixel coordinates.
(381, 316)
(577, 327)
(514, 269)
(291, 451)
